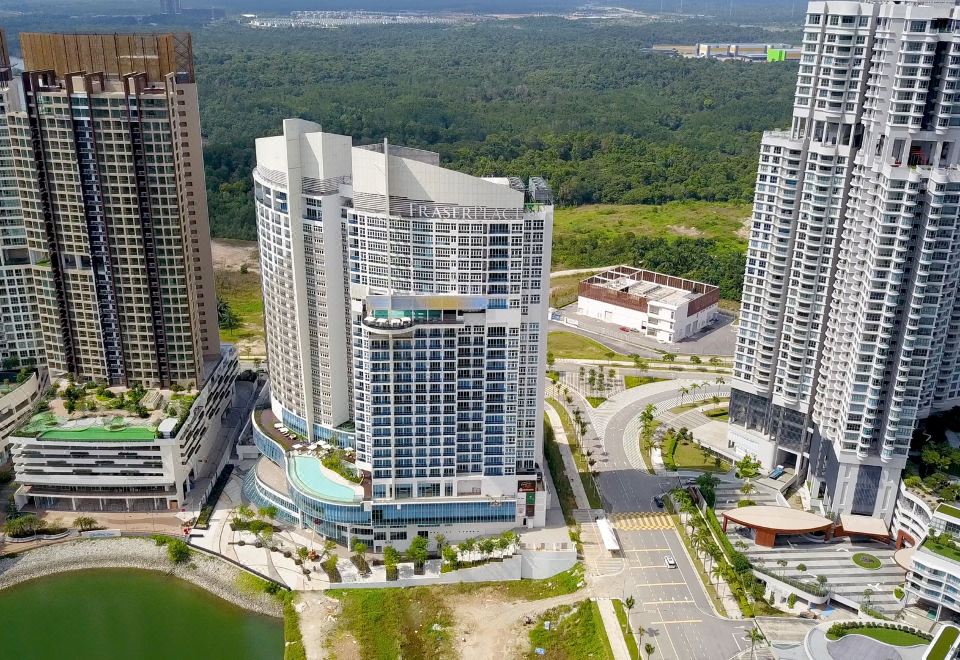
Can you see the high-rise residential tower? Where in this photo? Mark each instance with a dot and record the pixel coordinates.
(108, 159)
(405, 309)
(850, 326)
(20, 339)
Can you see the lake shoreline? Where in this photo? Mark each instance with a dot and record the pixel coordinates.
(213, 575)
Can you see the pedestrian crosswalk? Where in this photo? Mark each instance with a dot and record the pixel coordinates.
(638, 521)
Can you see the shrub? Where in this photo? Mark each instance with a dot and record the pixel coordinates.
(330, 567)
(178, 551)
(898, 593)
(792, 600)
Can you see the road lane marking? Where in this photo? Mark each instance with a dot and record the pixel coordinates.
(662, 584)
(666, 602)
(677, 621)
(651, 550)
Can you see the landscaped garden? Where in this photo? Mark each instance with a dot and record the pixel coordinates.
(681, 452)
(866, 560)
(583, 462)
(636, 381)
(888, 633)
(945, 639)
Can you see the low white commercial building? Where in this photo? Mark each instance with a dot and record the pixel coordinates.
(122, 449)
(660, 306)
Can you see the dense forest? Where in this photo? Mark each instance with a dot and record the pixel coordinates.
(586, 105)
(583, 105)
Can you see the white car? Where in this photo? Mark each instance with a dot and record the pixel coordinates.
(669, 561)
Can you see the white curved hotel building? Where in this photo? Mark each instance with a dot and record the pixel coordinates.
(405, 309)
(850, 328)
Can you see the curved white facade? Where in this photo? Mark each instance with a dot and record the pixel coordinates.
(405, 308)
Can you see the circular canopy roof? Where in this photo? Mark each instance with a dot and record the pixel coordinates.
(904, 558)
(779, 519)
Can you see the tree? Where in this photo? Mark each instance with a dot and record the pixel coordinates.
(668, 357)
(551, 360)
(417, 552)
(243, 511)
(707, 484)
(782, 563)
(639, 363)
(329, 546)
(391, 556)
(360, 549)
(715, 361)
(269, 512)
(747, 488)
(720, 380)
(753, 636)
(440, 540)
(683, 392)
(303, 553)
(695, 359)
(226, 318)
(649, 648)
(747, 467)
(85, 523)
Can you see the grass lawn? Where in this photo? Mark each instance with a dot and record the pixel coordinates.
(696, 404)
(564, 289)
(551, 453)
(569, 345)
(689, 457)
(576, 631)
(943, 642)
(583, 465)
(886, 635)
(242, 292)
(721, 221)
(942, 550)
(636, 381)
(718, 414)
(595, 401)
(866, 560)
(560, 584)
(625, 628)
(393, 623)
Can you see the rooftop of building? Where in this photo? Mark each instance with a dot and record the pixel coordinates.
(649, 285)
(92, 412)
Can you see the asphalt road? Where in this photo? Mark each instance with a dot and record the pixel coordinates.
(672, 604)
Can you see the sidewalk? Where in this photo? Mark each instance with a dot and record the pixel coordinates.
(612, 626)
(569, 465)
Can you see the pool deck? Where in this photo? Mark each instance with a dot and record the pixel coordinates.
(309, 474)
(265, 420)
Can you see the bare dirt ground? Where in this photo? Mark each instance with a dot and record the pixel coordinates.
(689, 232)
(488, 627)
(231, 255)
(318, 618)
(744, 231)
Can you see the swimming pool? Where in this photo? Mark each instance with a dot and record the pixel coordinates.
(306, 474)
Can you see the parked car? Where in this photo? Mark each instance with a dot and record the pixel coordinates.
(669, 561)
(624, 328)
(658, 501)
(690, 482)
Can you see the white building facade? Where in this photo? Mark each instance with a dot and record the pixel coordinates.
(662, 307)
(405, 309)
(849, 327)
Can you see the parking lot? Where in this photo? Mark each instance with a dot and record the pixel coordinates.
(718, 340)
(671, 605)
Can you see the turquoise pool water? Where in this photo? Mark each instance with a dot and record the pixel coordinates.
(306, 472)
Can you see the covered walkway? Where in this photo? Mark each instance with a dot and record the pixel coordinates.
(770, 521)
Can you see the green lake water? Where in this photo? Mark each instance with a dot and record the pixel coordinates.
(129, 615)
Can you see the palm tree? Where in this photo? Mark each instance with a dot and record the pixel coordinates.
(683, 392)
(782, 563)
(649, 648)
(440, 539)
(753, 636)
(717, 572)
(720, 380)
